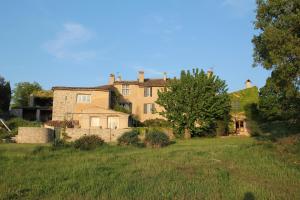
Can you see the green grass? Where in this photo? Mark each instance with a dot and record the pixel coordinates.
(216, 168)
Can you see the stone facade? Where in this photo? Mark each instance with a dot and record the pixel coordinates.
(108, 135)
(34, 135)
(95, 113)
(98, 108)
(138, 100)
(64, 101)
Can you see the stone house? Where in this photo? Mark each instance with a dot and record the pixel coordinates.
(92, 106)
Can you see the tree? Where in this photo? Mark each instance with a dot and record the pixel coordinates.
(195, 102)
(275, 105)
(22, 92)
(5, 95)
(277, 48)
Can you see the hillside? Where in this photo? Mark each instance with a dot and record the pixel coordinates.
(206, 168)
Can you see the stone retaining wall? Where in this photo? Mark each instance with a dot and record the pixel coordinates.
(34, 135)
(107, 135)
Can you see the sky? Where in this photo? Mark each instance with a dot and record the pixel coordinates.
(79, 43)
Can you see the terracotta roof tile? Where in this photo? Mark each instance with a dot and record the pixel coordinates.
(147, 83)
(98, 88)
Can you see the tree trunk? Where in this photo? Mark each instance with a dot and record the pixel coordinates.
(187, 134)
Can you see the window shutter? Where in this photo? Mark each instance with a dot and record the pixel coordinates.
(145, 92)
(145, 108)
(150, 91)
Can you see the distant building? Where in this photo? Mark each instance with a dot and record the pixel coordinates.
(38, 109)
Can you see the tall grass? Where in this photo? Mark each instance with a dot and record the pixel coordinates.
(215, 168)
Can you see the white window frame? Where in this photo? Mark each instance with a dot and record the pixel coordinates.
(149, 108)
(148, 92)
(83, 98)
(125, 90)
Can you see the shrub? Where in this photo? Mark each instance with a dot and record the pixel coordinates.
(156, 123)
(88, 142)
(156, 139)
(129, 138)
(59, 143)
(222, 128)
(16, 122)
(4, 136)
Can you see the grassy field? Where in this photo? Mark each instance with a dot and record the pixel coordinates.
(216, 168)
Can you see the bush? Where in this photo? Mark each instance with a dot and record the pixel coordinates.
(88, 142)
(15, 123)
(156, 123)
(156, 139)
(222, 128)
(59, 143)
(129, 138)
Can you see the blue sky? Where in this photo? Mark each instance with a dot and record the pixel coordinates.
(79, 43)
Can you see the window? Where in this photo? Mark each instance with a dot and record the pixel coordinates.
(149, 108)
(125, 90)
(127, 106)
(148, 92)
(83, 98)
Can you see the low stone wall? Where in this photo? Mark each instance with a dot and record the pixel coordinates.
(106, 134)
(34, 135)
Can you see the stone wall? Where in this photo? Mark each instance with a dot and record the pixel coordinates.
(64, 101)
(34, 135)
(107, 135)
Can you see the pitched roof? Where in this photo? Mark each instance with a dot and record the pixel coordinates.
(98, 88)
(147, 82)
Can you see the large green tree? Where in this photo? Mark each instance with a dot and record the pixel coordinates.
(195, 102)
(22, 92)
(277, 48)
(5, 95)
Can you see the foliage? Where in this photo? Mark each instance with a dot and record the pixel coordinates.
(277, 48)
(275, 105)
(116, 99)
(223, 127)
(156, 139)
(22, 92)
(121, 109)
(16, 122)
(5, 95)
(129, 138)
(43, 93)
(4, 134)
(63, 124)
(156, 123)
(194, 103)
(60, 143)
(88, 142)
(242, 98)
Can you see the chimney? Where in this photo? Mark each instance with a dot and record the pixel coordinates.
(111, 79)
(248, 84)
(119, 78)
(165, 76)
(209, 72)
(141, 77)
